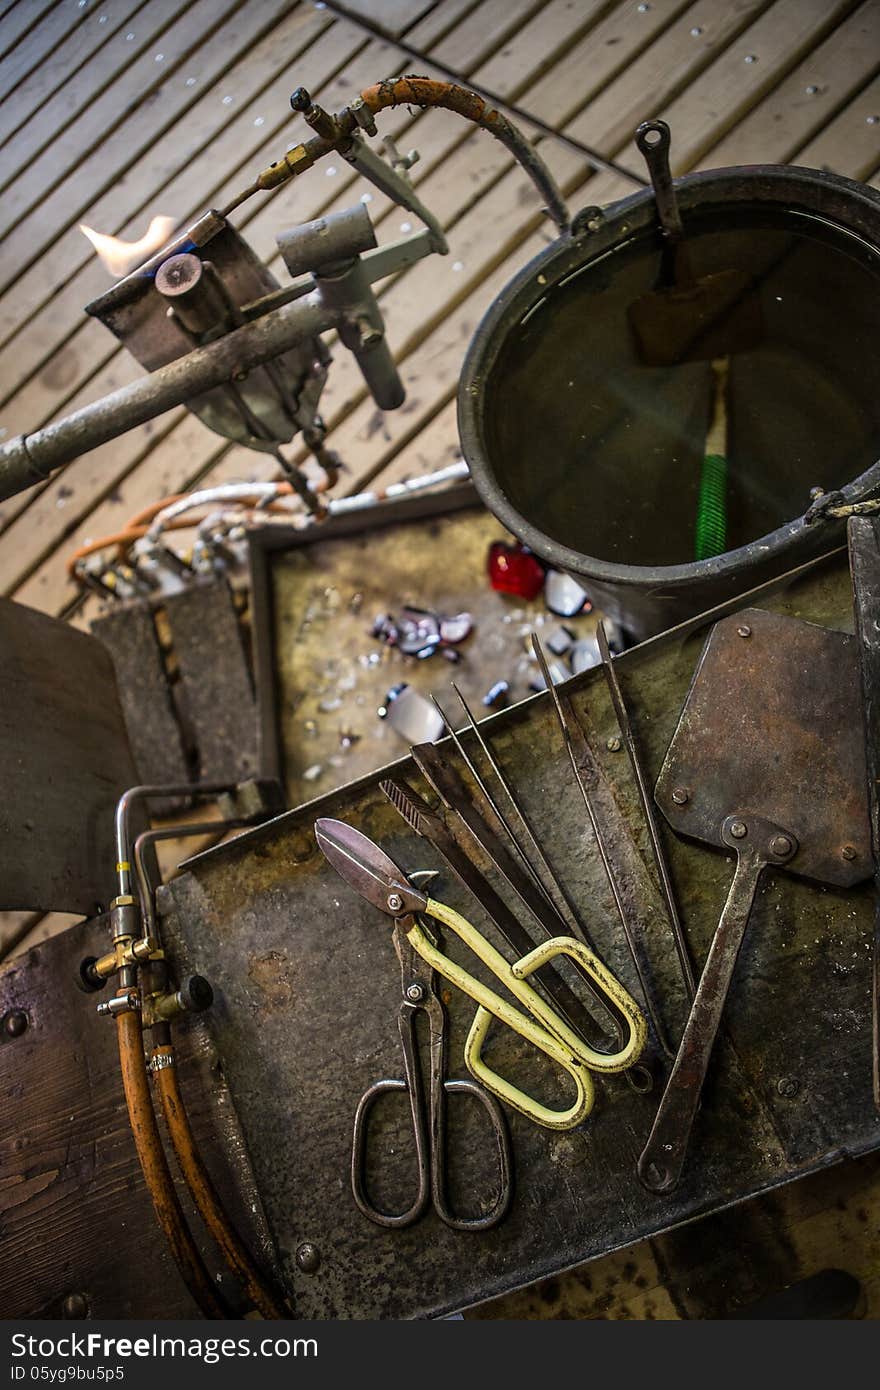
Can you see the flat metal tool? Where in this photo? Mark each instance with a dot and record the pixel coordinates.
(370, 871)
(428, 1113)
(768, 760)
(647, 801)
(585, 771)
(863, 533)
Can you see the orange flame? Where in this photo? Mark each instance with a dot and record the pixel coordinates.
(119, 257)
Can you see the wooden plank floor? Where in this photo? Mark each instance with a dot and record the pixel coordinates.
(116, 110)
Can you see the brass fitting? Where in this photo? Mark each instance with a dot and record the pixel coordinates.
(296, 161)
(195, 995)
(127, 952)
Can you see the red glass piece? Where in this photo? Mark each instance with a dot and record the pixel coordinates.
(514, 570)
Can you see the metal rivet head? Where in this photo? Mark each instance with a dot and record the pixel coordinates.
(751, 58)
(780, 844)
(848, 852)
(308, 1257)
(75, 1305)
(613, 744)
(15, 1023)
(415, 993)
(680, 795)
(738, 829)
(395, 902)
(788, 1086)
(811, 90)
(744, 631)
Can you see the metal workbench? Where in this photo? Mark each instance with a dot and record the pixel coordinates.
(307, 990)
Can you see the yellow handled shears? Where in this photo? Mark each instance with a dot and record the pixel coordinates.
(377, 878)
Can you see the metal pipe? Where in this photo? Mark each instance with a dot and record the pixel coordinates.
(155, 1167)
(30, 459)
(130, 798)
(146, 887)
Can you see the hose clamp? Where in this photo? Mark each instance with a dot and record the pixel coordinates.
(160, 1060)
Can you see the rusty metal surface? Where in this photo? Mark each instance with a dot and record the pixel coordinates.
(217, 686)
(128, 632)
(320, 675)
(772, 727)
(76, 1218)
(306, 984)
(64, 762)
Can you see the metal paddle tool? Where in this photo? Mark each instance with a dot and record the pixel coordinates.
(768, 760)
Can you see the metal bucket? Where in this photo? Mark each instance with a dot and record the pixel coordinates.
(593, 459)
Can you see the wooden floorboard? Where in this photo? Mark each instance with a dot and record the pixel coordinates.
(731, 78)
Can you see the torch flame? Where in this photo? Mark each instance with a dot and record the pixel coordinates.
(119, 257)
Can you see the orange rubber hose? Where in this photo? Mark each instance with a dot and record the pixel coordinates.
(204, 1193)
(155, 1167)
(427, 91)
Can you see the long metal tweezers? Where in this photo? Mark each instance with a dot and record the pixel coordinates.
(623, 721)
(582, 761)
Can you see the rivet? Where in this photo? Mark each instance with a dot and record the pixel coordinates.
(308, 1257)
(848, 852)
(614, 744)
(751, 58)
(872, 120)
(788, 1086)
(811, 90)
(780, 844)
(738, 829)
(696, 31)
(15, 1023)
(744, 631)
(75, 1305)
(680, 795)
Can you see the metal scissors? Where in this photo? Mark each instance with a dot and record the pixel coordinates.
(428, 1114)
(377, 878)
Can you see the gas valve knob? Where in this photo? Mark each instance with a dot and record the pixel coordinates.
(195, 994)
(87, 977)
(193, 997)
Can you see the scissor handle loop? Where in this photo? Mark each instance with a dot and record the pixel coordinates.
(505, 1090)
(608, 985)
(545, 1029)
(359, 1158)
(502, 1144)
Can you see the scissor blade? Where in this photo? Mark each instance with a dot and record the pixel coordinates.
(366, 867)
